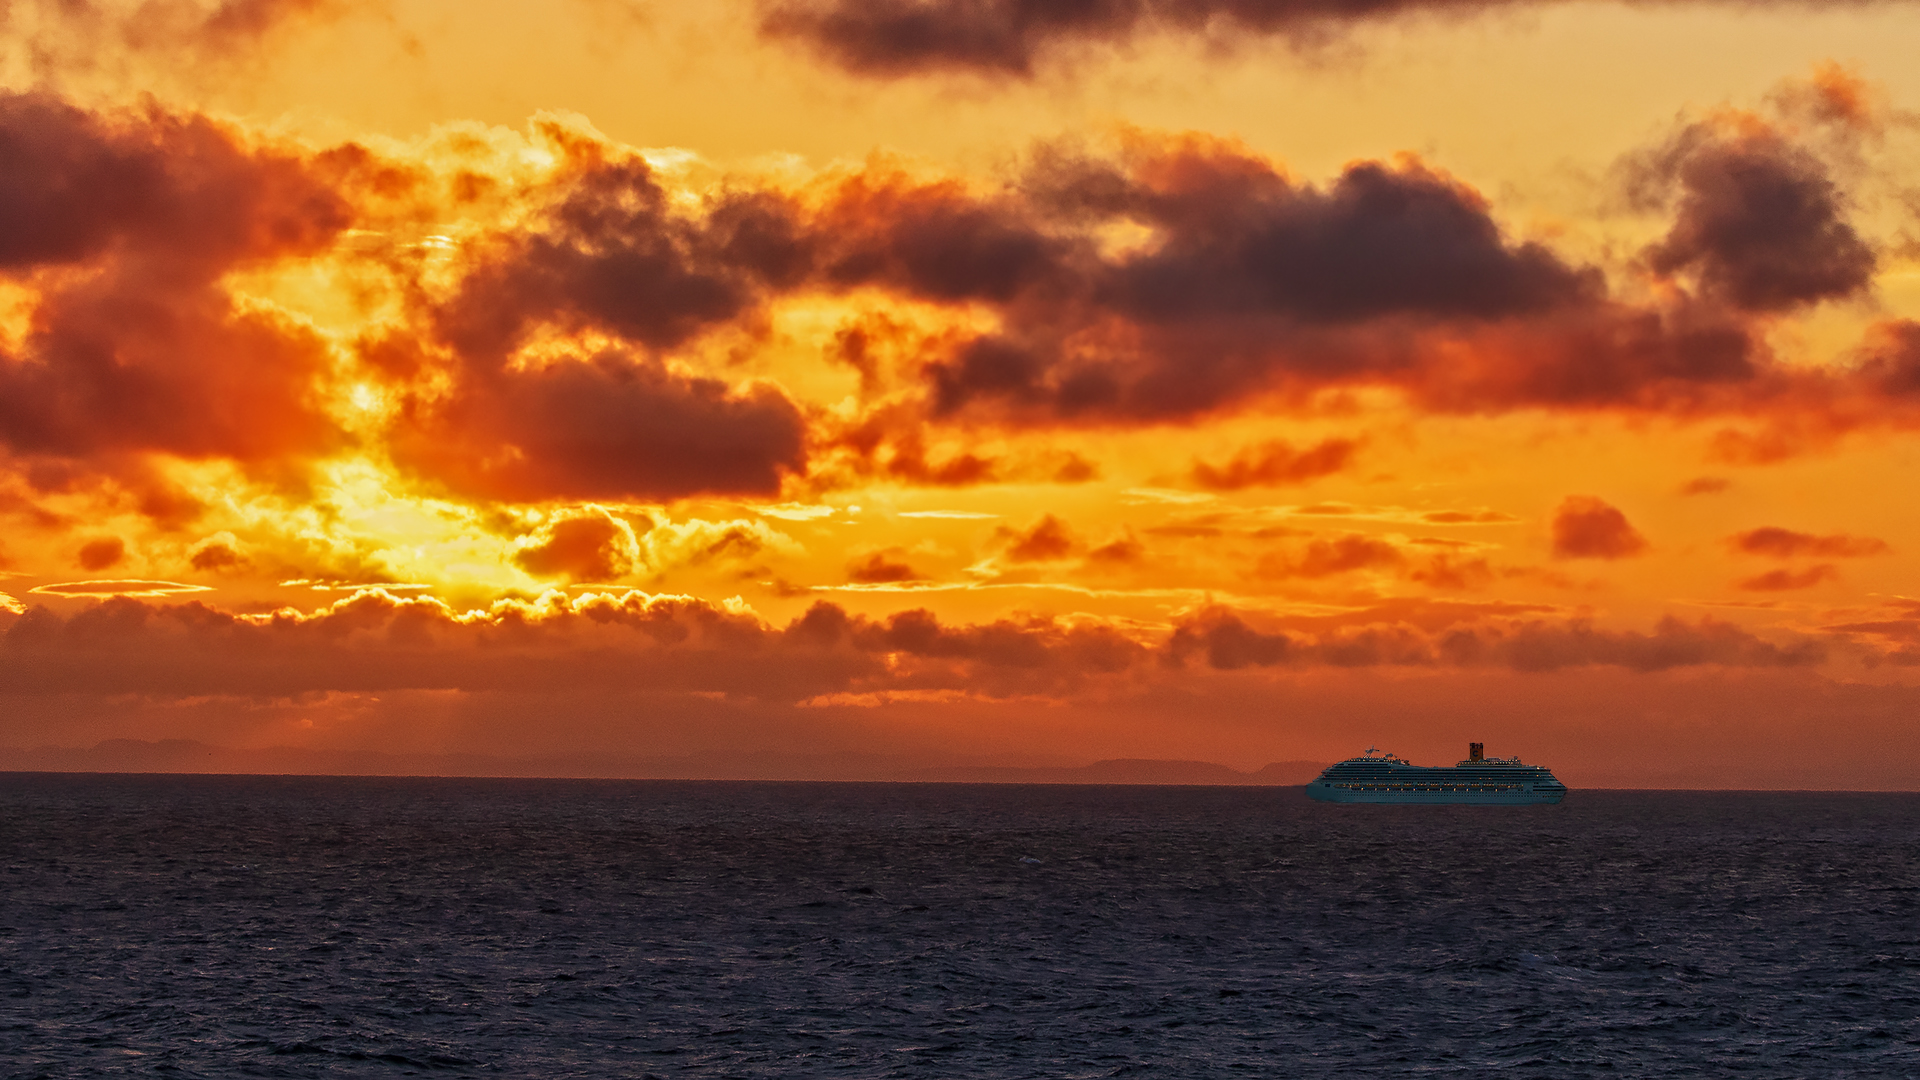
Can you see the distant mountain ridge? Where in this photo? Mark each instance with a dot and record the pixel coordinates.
(190, 756)
(1135, 771)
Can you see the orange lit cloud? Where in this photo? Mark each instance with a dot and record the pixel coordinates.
(1783, 580)
(1785, 544)
(1228, 642)
(878, 569)
(593, 546)
(1586, 528)
(117, 587)
(377, 641)
(1275, 463)
(145, 352)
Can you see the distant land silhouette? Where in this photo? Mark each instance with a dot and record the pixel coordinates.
(189, 756)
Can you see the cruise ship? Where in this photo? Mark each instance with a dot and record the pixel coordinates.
(1477, 781)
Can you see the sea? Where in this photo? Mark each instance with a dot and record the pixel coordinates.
(228, 926)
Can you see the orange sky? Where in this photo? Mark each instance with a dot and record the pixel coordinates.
(851, 387)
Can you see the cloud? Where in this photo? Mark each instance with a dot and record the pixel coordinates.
(102, 553)
(1706, 485)
(895, 38)
(677, 647)
(1275, 463)
(615, 254)
(1249, 281)
(568, 349)
(1381, 240)
(1760, 223)
(1228, 642)
(877, 569)
(217, 555)
(590, 545)
(1783, 579)
(1779, 543)
(1458, 573)
(1013, 39)
(1121, 550)
(1890, 360)
(613, 426)
(118, 587)
(607, 276)
(1250, 286)
(61, 37)
(891, 442)
(1340, 555)
(146, 352)
(949, 515)
(1467, 517)
(1891, 630)
(1046, 540)
(1586, 528)
(374, 641)
(936, 240)
(1430, 561)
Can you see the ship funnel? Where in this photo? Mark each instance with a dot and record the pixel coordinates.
(1476, 751)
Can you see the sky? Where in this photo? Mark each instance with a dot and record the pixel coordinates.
(857, 387)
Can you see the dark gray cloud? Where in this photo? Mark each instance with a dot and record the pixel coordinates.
(1759, 222)
(146, 352)
(1012, 39)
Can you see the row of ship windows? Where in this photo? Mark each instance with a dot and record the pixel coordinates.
(1429, 787)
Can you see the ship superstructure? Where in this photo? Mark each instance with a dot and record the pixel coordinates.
(1479, 780)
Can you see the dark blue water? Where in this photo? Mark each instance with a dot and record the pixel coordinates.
(296, 927)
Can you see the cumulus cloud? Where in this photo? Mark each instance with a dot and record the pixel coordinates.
(147, 352)
(938, 239)
(614, 254)
(1251, 285)
(556, 357)
(1251, 277)
(1760, 223)
(590, 546)
(1381, 240)
(1587, 528)
(606, 255)
(613, 426)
